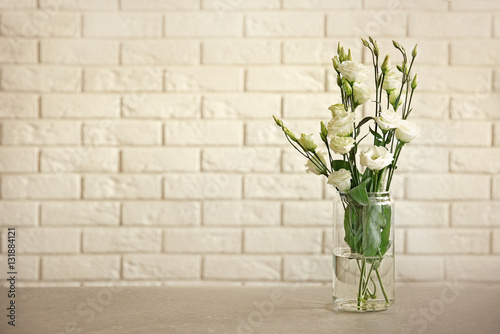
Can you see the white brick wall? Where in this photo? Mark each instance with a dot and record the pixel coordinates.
(137, 145)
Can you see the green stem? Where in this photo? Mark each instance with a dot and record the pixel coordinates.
(381, 285)
(361, 280)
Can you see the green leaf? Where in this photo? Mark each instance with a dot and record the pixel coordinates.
(338, 164)
(364, 120)
(359, 193)
(385, 243)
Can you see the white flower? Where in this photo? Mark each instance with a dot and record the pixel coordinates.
(388, 119)
(392, 81)
(340, 179)
(341, 125)
(353, 71)
(307, 142)
(394, 94)
(312, 168)
(361, 93)
(376, 158)
(338, 110)
(407, 131)
(341, 145)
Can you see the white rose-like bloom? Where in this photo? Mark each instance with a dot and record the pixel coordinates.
(392, 81)
(342, 126)
(361, 93)
(353, 71)
(376, 158)
(312, 168)
(407, 131)
(338, 110)
(388, 119)
(340, 179)
(341, 145)
(307, 142)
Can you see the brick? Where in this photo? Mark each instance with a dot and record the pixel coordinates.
(41, 186)
(80, 213)
(204, 241)
(312, 106)
(160, 266)
(282, 186)
(241, 52)
(8, 4)
(18, 213)
(496, 138)
(371, 23)
(40, 24)
(161, 106)
(18, 106)
(241, 106)
(18, 51)
(81, 267)
(475, 106)
(43, 79)
(160, 160)
(475, 160)
(221, 6)
(400, 241)
(321, 4)
(470, 213)
(280, 240)
(421, 214)
(86, 52)
(250, 159)
(446, 187)
(79, 159)
(203, 133)
(122, 187)
(18, 159)
(285, 79)
(454, 79)
(122, 133)
(411, 268)
(441, 25)
(397, 6)
(314, 51)
(48, 241)
(203, 79)
(157, 5)
(203, 24)
(476, 5)
(448, 241)
(241, 213)
(308, 213)
(423, 159)
(29, 268)
(80, 106)
(265, 268)
(430, 106)
(462, 52)
(308, 268)
(202, 186)
(496, 242)
(123, 79)
(161, 213)
(123, 240)
(40, 133)
(481, 269)
(454, 133)
(80, 5)
(284, 24)
(121, 25)
(160, 52)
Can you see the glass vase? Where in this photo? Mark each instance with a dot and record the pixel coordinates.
(363, 253)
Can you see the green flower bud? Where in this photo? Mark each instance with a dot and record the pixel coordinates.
(339, 47)
(290, 134)
(400, 69)
(324, 131)
(386, 65)
(336, 63)
(414, 52)
(376, 50)
(307, 142)
(346, 86)
(414, 82)
(396, 44)
(370, 39)
(278, 121)
(339, 81)
(365, 42)
(349, 55)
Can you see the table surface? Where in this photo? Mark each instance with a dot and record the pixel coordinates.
(445, 308)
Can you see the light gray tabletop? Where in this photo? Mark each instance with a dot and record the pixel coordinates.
(290, 309)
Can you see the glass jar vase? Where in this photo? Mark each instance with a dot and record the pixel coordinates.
(363, 253)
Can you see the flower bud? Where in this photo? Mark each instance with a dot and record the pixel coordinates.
(376, 50)
(339, 81)
(349, 55)
(290, 134)
(386, 65)
(339, 47)
(324, 131)
(336, 63)
(346, 86)
(365, 42)
(278, 121)
(307, 142)
(396, 44)
(414, 52)
(414, 82)
(400, 69)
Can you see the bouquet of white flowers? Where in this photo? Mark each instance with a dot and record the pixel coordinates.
(367, 227)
